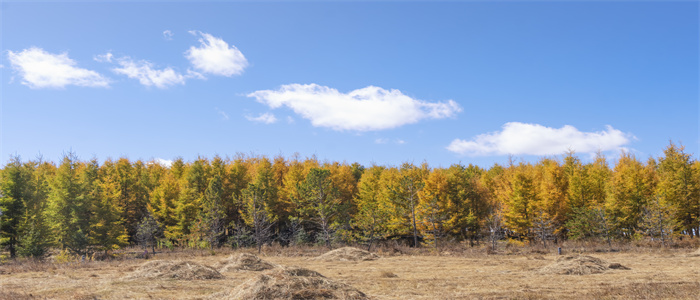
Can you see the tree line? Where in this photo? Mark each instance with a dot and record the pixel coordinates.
(85, 206)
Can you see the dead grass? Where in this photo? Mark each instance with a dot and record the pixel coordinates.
(347, 254)
(292, 283)
(465, 274)
(580, 265)
(243, 262)
(183, 270)
(695, 254)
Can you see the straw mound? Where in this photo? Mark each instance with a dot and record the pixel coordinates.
(347, 254)
(696, 253)
(580, 265)
(244, 262)
(292, 283)
(185, 270)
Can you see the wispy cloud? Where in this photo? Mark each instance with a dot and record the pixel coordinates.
(105, 58)
(366, 109)
(266, 118)
(223, 114)
(41, 69)
(215, 56)
(534, 139)
(387, 141)
(168, 35)
(147, 74)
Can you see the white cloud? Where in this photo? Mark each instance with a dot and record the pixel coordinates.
(215, 56)
(107, 57)
(168, 35)
(366, 109)
(534, 139)
(164, 162)
(266, 118)
(41, 69)
(147, 75)
(290, 120)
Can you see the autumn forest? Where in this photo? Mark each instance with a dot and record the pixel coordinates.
(87, 206)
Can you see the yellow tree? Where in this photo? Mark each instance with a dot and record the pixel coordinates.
(520, 203)
(677, 187)
(404, 195)
(433, 207)
(107, 230)
(344, 180)
(373, 208)
(468, 201)
(551, 208)
(631, 186)
(163, 203)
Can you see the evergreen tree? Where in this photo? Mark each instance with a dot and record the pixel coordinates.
(631, 185)
(433, 207)
(519, 208)
(319, 202)
(373, 209)
(15, 190)
(257, 205)
(404, 195)
(677, 187)
(212, 214)
(68, 207)
(107, 231)
(147, 232)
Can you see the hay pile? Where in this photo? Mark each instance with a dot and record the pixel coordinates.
(292, 283)
(695, 254)
(580, 265)
(347, 254)
(244, 262)
(184, 270)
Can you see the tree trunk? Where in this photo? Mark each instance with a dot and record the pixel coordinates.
(415, 230)
(13, 251)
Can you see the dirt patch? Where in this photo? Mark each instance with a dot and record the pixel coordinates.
(580, 265)
(244, 262)
(184, 270)
(292, 283)
(347, 254)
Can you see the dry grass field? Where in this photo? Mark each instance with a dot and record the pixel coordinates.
(470, 274)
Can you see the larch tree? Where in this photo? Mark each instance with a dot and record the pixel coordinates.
(373, 208)
(212, 214)
(319, 202)
(15, 190)
(69, 207)
(433, 207)
(257, 203)
(631, 186)
(677, 187)
(163, 203)
(658, 220)
(404, 195)
(34, 232)
(551, 208)
(107, 230)
(518, 210)
(468, 202)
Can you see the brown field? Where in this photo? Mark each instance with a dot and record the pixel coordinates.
(468, 273)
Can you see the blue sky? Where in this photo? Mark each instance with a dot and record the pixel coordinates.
(368, 82)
